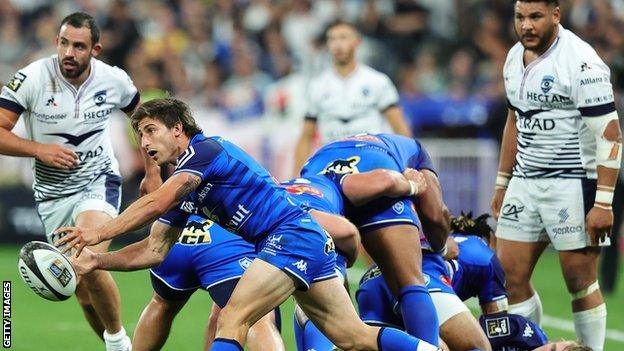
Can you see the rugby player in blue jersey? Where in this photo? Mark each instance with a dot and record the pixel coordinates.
(219, 180)
(390, 228)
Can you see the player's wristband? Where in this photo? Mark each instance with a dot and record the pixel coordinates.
(502, 180)
(413, 187)
(604, 207)
(604, 197)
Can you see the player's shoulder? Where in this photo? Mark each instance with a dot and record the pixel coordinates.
(369, 73)
(39, 68)
(576, 51)
(513, 54)
(111, 72)
(473, 249)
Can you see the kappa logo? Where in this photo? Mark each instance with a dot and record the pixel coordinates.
(302, 266)
(511, 211)
(563, 215)
(528, 331)
(347, 166)
(497, 327)
(99, 97)
(547, 83)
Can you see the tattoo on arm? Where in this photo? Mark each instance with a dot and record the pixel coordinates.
(164, 242)
(191, 183)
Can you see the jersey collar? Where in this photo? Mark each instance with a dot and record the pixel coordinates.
(199, 137)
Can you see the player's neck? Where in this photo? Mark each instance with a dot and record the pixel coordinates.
(345, 69)
(531, 55)
(77, 82)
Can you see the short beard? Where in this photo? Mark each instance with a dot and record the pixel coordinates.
(77, 72)
(544, 41)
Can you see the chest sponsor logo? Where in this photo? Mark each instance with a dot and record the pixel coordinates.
(76, 139)
(16, 82)
(99, 97)
(591, 80)
(49, 118)
(97, 115)
(347, 166)
(547, 83)
(536, 123)
(196, 232)
(553, 99)
(240, 217)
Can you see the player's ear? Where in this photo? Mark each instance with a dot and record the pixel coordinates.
(56, 40)
(178, 129)
(97, 48)
(557, 15)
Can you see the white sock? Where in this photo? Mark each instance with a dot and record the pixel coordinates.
(591, 326)
(117, 341)
(531, 309)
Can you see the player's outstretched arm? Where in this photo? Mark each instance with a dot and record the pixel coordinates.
(12, 145)
(142, 212)
(433, 213)
(344, 233)
(361, 188)
(507, 160)
(146, 253)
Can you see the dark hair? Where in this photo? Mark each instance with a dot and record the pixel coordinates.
(464, 224)
(169, 111)
(576, 346)
(338, 23)
(81, 19)
(548, 2)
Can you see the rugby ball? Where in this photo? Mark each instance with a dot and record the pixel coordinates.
(46, 271)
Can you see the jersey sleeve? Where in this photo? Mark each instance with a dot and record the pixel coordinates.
(421, 160)
(204, 159)
(129, 93)
(494, 288)
(591, 86)
(176, 217)
(311, 104)
(17, 95)
(388, 94)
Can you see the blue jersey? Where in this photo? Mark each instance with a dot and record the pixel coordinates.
(316, 192)
(235, 191)
(477, 271)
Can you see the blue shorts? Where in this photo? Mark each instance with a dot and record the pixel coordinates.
(378, 306)
(215, 262)
(379, 213)
(302, 249)
(341, 265)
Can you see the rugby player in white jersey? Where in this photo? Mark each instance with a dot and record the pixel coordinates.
(347, 99)
(562, 144)
(66, 102)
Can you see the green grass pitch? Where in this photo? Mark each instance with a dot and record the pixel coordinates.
(38, 324)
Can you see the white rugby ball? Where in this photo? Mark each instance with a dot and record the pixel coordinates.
(46, 271)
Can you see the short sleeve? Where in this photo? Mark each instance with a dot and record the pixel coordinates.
(17, 94)
(494, 289)
(203, 159)
(312, 111)
(421, 160)
(592, 91)
(388, 94)
(129, 93)
(176, 217)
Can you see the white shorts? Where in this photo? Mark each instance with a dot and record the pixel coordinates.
(547, 210)
(103, 194)
(447, 306)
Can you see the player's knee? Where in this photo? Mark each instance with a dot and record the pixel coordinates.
(231, 318)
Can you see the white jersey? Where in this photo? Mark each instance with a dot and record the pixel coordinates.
(350, 105)
(550, 96)
(55, 112)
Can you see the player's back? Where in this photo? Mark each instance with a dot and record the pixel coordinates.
(236, 191)
(316, 192)
(477, 271)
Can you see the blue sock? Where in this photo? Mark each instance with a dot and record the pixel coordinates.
(298, 333)
(221, 344)
(419, 313)
(313, 339)
(391, 339)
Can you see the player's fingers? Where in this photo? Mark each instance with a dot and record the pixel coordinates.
(81, 246)
(69, 153)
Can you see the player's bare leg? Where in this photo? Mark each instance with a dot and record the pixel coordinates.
(103, 292)
(463, 332)
(155, 322)
(518, 260)
(89, 312)
(328, 305)
(263, 335)
(396, 249)
(580, 271)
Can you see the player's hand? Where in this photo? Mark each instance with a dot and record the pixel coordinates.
(149, 184)
(599, 222)
(418, 178)
(497, 202)
(56, 156)
(77, 238)
(85, 263)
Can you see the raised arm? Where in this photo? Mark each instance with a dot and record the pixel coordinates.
(146, 253)
(361, 188)
(142, 212)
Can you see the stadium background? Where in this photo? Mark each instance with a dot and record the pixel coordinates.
(243, 65)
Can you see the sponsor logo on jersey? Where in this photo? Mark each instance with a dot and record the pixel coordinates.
(16, 82)
(85, 155)
(97, 115)
(563, 215)
(99, 97)
(240, 217)
(591, 80)
(585, 66)
(300, 189)
(347, 166)
(92, 196)
(547, 83)
(511, 212)
(203, 192)
(528, 331)
(329, 244)
(536, 123)
(370, 274)
(398, 207)
(497, 327)
(555, 99)
(188, 207)
(567, 230)
(76, 139)
(45, 118)
(51, 102)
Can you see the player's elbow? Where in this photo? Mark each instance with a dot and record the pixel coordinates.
(612, 132)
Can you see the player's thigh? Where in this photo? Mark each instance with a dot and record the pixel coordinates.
(261, 288)
(519, 259)
(463, 332)
(579, 267)
(396, 250)
(329, 307)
